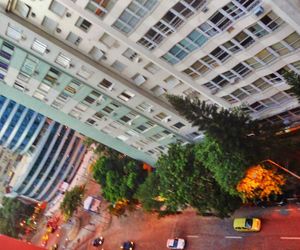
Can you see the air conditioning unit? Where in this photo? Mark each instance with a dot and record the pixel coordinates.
(235, 80)
(214, 91)
(258, 10)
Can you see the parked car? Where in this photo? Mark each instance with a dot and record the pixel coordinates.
(274, 201)
(127, 245)
(98, 241)
(176, 244)
(247, 224)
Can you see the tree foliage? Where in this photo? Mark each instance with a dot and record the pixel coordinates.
(293, 80)
(184, 181)
(260, 182)
(148, 193)
(72, 200)
(228, 168)
(12, 213)
(119, 177)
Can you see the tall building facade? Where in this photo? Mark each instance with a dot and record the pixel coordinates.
(37, 154)
(104, 67)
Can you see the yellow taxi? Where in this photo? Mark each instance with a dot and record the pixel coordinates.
(247, 224)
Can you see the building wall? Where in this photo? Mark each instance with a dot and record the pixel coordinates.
(55, 159)
(127, 55)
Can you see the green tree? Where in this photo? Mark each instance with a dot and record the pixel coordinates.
(228, 168)
(119, 177)
(72, 200)
(185, 181)
(293, 80)
(148, 193)
(12, 213)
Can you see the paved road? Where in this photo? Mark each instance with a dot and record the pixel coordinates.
(280, 231)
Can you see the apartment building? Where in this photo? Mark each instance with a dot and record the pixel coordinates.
(104, 67)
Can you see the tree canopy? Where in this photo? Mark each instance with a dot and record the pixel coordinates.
(227, 168)
(72, 200)
(293, 80)
(12, 213)
(260, 182)
(148, 193)
(119, 177)
(185, 181)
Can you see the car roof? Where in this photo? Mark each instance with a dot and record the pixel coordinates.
(239, 222)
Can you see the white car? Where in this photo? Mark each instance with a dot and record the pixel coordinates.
(176, 244)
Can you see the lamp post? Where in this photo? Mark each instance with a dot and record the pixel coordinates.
(281, 167)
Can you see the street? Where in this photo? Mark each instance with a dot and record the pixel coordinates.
(280, 230)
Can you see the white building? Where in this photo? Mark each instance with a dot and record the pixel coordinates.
(103, 67)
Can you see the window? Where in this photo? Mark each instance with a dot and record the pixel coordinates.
(22, 9)
(73, 87)
(293, 40)
(98, 115)
(232, 46)
(129, 117)
(162, 116)
(258, 106)
(170, 22)
(171, 82)
(108, 40)
(107, 109)
(90, 121)
(272, 21)
(158, 90)
(133, 14)
(49, 24)
(210, 61)
(191, 93)
(81, 107)
(51, 76)
(64, 97)
(208, 29)
(280, 48)
(261, 84)
(84, 72)
(258, 30)
(239, 94)
(39, 47)
(146, 126)
(106, 84)
(130, 54)
(96, 54)
(220, 54)
(73, 38)
(197, 69)
(99, 7)
(152, 68)
(92, 97)
(44, 87)
(244, 39)
(57, 8)
(241, 70)
(144, 106)
(118, 66)
(14, 32)
(126, 95)
(280, 97)
(179, 51)
(83, 24)
(220, 81)
(266, 56)
(254, 63)
(39, 96)
(63, 60)
(249, 89)
(139, 79)
(178, 125)
(230, 99)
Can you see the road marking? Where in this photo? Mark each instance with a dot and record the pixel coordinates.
(290, 238)
(193, 236)
(233, 237)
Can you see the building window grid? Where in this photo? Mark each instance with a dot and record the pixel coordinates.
(133, 14)
(178, 52)
(169, 23)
